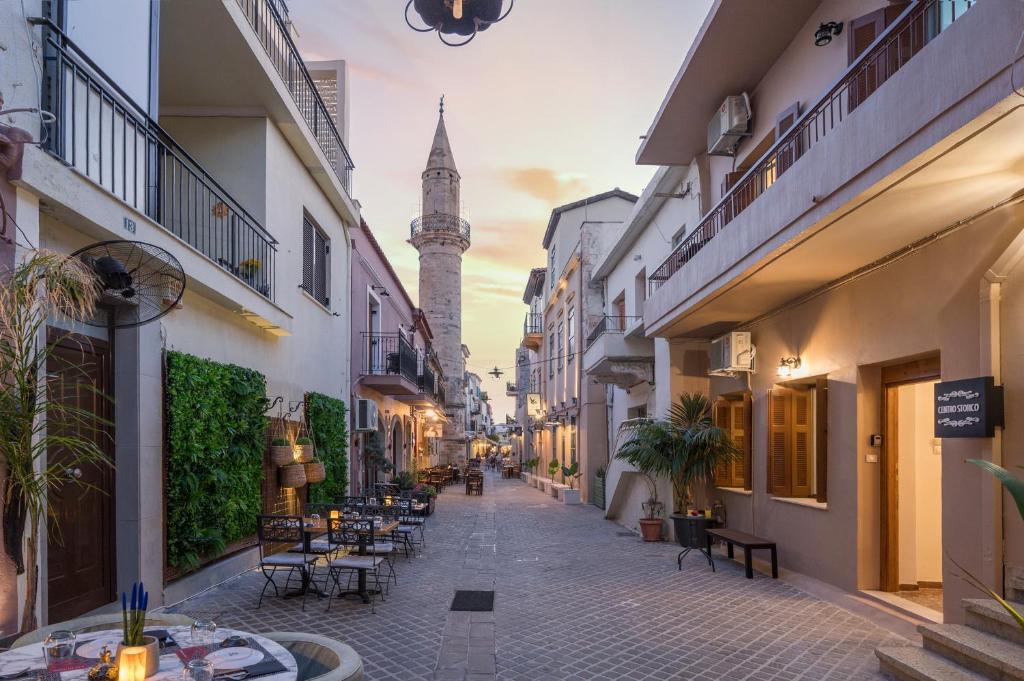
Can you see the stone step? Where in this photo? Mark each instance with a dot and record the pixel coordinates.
(986, 615)
(994, 657)
(913, 663)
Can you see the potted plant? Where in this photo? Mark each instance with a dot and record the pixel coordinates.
(135, 647)
(292, 476)
(281, 452)
(553, 467)
(405, 480)
(571, 473)
(315, 471)
(686, 447)
(304, 449)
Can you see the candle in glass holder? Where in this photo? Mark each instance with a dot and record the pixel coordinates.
(335, 514)
(131, 665)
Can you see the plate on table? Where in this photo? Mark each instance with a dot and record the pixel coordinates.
(234, 658)
(92, 648)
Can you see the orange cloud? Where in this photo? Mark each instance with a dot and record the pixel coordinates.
(545, 184)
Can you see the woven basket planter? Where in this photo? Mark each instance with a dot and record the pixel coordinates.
(315, 472)
(293, 476)
(282, 455)
(303, 453)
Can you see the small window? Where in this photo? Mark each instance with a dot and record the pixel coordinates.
(571, 349)
(316, 273)
(733, 415)
(798, 440)
(572, 440)
(551, 356)
(678, 237)
(561, 342)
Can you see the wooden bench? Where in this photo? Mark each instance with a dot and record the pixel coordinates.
(747, 542)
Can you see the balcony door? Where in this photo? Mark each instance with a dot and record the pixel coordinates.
(375, 348)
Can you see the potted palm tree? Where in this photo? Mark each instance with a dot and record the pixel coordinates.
(686, 447)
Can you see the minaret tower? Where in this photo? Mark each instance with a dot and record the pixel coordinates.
(442, 236)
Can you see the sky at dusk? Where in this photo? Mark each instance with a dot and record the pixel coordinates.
(542, 109)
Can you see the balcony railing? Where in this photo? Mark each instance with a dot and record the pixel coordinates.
(440, 223)
(431, 384)
(533, 324)
(272, 30)
(390, 354)
(511, 388)
(100, 132)
(900, 42)
(611, 324)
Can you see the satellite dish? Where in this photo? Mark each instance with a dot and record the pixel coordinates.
(140, 282)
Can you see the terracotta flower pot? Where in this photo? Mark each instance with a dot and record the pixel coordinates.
(282, 455)
(650, 529)
(315, 472)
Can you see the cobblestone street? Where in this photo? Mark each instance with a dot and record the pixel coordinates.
(575, 599)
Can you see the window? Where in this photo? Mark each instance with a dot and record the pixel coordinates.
(316, 272)
(572, 440)
(551, 268)
(798, 440)
(571, 321)
(561, 342)
(640, 291)
(733, 415)
(678, 237)
(551, 356)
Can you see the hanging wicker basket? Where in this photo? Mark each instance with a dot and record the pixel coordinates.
(315, 471)
(282, 455)
(293, 476)
(303, 453)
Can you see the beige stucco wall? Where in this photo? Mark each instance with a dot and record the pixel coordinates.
(924, 303)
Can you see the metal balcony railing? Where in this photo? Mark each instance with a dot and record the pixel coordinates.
(534, 323)
(390, 354)
(611, 324)
(440, 223)
(511, 388)
(271, 26)
(921, 22)
(103, 134)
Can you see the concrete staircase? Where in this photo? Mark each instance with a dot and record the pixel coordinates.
(989, 646)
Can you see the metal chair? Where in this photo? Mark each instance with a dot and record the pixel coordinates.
(284, 530)
(354, 533)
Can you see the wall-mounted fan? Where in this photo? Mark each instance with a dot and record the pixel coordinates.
(141, 282)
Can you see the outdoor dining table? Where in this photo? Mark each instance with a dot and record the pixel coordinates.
(318, 526)
(269, 661)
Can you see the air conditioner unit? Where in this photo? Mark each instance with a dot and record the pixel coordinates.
(729, 124)
(366, 415)
(731, 353)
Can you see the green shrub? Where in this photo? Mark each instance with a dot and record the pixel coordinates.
(215, 447)
(303, 441)
(405, 480)
(327, 419)
(279, 442)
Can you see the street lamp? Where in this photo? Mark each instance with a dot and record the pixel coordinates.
(458, 17)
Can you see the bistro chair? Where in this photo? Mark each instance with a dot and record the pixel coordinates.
(288, 530)
(409, 520)
(351, 504)
(83, 625)
(393, 513)
(320, 658)
(349, 532)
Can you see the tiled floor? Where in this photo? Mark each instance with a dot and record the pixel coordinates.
(927, 597)
(575, 600)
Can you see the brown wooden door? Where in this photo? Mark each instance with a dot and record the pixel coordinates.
(80, 552)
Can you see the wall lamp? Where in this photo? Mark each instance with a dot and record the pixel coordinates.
(787, 365)
(823, 36)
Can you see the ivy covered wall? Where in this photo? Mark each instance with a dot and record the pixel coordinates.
(327, 419)
(214, 456)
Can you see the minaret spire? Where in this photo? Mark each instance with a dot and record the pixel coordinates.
(441, 157)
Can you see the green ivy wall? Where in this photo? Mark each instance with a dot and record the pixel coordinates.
(328, 426)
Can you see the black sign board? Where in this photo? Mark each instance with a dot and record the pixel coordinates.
(971, 407)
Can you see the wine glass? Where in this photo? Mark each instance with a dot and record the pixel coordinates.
(203, 631)
(58, 645)
(198, 669)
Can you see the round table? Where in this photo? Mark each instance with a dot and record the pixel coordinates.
(31, 656)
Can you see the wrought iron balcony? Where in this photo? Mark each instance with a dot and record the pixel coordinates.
(611, 324)
(511, 388)
(440, 223)
(100, 132)
(920, 23)
(269, 20)
(431, 385)
(390, 354)
(534, 323)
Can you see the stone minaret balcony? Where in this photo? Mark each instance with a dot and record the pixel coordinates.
(439, 226)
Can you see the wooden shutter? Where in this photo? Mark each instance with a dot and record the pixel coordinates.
(320, 285)
(738, 432)
(308, 250)
(863, 32)
(747, 449)
(720, 418)
(821, 440)
(802, 442)
(779, 407)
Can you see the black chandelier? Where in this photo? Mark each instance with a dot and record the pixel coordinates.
(458, 17)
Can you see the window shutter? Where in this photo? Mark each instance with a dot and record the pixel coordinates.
(778, 441)
(307, 256)
(321, 291)
(739, 415)
(720, 419)
(789, 152)
(821, 440)
(803, 442)
(748, 447)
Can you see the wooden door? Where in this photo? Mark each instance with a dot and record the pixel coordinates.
(80, 549)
